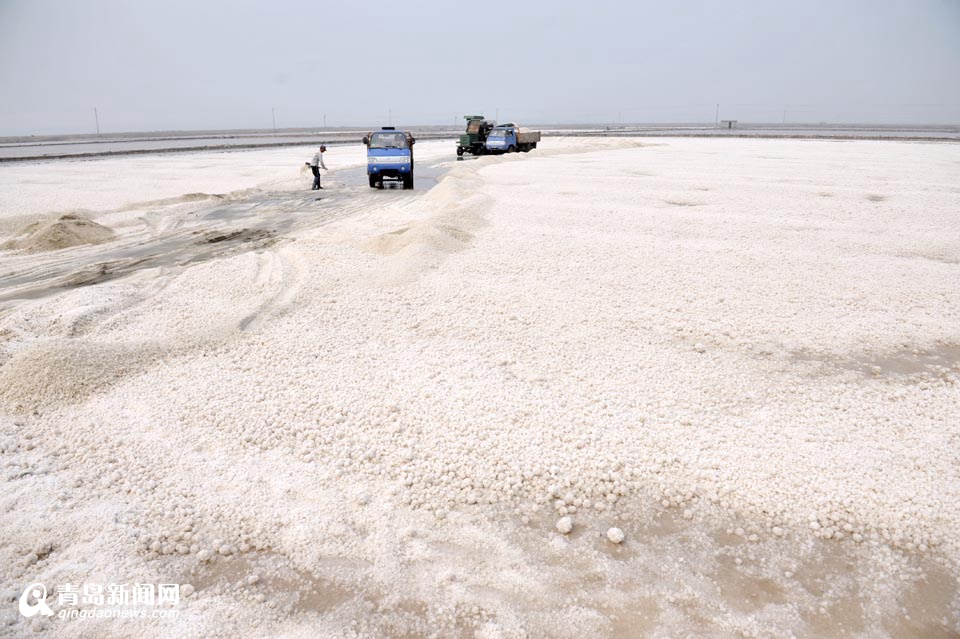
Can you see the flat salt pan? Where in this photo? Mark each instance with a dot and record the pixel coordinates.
(683, 341)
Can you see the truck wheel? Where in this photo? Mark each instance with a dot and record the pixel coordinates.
(408, 181)
(459, 151)
(512, 149)
(373, 181)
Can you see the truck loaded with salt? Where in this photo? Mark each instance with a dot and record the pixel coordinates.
(508, 138)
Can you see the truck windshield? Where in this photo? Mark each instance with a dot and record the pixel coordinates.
(500, 133)
(388, 141)
(473, 126)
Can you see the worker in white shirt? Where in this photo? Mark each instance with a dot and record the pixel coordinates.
(316, 163)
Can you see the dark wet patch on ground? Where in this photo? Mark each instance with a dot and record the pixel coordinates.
(937, 361)
(239, 235)
(258, 577)
(933, 257)
(101, 272)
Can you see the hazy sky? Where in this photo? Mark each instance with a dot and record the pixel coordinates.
(190, 64)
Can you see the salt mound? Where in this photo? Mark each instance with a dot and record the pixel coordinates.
(65, 371)
(424, 244)
(63, 232)
(441, 236)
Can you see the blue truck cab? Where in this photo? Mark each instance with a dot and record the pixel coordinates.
(501, 139)
(389, 157)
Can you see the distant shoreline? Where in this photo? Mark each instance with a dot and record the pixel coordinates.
(36, 149)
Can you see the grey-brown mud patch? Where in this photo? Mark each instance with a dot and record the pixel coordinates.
(238, 235)
(682, 203)
(938, 361)
(257, 577)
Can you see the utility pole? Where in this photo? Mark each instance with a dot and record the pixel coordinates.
(96, 119)
(390, 116)
(273, 116)
(717, 122)
(324, 120)
(498, 114)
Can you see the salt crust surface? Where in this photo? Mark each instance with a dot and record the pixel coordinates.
(34, 188)
(558, 334)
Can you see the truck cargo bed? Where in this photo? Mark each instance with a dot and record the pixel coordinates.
(528, 137)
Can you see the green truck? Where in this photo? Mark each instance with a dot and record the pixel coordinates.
(474, 141)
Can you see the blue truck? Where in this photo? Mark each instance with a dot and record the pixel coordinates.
(389, 157)
(508, 138)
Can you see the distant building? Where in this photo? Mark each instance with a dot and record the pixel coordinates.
(728, 124)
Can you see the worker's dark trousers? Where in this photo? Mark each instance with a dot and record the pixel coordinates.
(316, 178)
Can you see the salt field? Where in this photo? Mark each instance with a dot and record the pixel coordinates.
(614, 387)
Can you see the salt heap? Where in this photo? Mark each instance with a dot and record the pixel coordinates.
(63, 232)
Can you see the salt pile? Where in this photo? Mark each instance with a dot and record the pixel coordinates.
(602, 389)
(63, 232)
